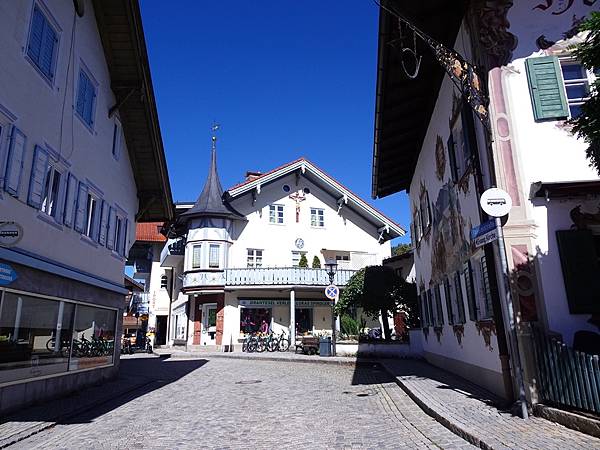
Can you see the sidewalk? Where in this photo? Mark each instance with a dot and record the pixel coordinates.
(266, 356)
(469, 411)
(33, 419)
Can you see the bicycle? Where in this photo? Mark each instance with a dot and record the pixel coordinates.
(65, 346)
(283, 343)
(271, 342)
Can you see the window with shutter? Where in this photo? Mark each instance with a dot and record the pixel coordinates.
(86, 99)
(438, 305)
(43, 43)
(430, 307)
(580, 269)
(103, 224)
(470, 286)
(448, 298)
(117, 137)
(125, 247)
(14, 165)
(460, 305)
(546, 88)
(81, 209)
(70, 200)
(487, 292)
(38, 179)
(110, 234)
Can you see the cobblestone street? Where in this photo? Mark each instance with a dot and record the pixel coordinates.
(221, 404)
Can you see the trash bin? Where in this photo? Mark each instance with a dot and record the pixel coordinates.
(325, 346)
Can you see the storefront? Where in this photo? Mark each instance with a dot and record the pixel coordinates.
(53, 327)
(311, 315)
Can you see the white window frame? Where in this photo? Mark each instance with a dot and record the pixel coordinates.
(317, 217)
(212, 264)
(50, 208)
(254, 258)
(57, 30)
(588, 81)
(276, 214)
(196, 259)
(92, 219)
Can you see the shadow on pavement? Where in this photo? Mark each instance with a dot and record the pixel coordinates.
(367, 372)
(137, 377)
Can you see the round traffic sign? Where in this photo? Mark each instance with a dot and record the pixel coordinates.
(332, 291)
(496, 202)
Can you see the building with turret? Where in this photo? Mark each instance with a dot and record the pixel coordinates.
(234, 259)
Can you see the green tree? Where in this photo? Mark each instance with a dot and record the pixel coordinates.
(316, 264)
(401, 249)
(303, 261)
(379, 291)
(587, 125)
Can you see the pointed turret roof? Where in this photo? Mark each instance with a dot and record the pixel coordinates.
(210, 203)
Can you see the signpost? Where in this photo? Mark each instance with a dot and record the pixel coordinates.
(332, 292)
(497, 203)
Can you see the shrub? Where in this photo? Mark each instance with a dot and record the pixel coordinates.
(316, 264)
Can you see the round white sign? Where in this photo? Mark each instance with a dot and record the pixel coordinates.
(332, 291)
(10, 234)
(496, 202)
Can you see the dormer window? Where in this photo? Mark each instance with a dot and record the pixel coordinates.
(276, 214)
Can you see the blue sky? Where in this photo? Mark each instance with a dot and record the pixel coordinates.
(283, 78)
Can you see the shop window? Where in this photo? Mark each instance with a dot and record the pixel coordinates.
(35, 336)
(254, 258)
(253, 318)
(304, 321)
(93, 337)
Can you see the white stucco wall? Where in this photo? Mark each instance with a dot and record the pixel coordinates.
(29, 102)
(471, 351)
(344, 232)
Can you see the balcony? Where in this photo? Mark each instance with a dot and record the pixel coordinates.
(172, 253)
(264, 276)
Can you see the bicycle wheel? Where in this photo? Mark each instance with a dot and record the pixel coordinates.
(261, 345)
(252, 346)
(272, 345)
(283, 345)
(50, 345)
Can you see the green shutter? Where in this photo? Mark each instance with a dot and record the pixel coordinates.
(546, 88)
(581, 271)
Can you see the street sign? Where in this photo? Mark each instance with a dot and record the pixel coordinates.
(332, 291)
(496, 202)
(484, 233)
(7, 274)
(10, 234)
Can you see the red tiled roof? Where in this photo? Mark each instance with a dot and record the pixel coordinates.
(148, 232)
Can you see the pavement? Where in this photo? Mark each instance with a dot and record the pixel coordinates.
(239, 401)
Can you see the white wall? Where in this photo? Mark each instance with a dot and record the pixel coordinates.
(346, 232)
(431, 265)
(36, 108)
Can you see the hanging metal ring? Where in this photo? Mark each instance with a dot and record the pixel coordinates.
(413, 53)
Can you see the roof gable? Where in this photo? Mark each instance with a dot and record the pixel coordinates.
(345, 198)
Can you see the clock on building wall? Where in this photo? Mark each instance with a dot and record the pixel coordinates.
(299, 243)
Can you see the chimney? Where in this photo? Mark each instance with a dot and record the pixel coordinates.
(252, 175)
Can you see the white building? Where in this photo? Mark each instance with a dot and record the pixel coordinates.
(81, 160)
(234, 256)
(429, 142)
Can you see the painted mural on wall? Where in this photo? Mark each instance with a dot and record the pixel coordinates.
(449, 244)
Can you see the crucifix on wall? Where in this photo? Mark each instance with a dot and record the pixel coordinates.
(298, 197)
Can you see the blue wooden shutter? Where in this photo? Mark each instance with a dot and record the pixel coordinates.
(103, 224)
(81, 210)
(37, 182)
(110, 238)
(35, 35)
(124, 229)
(49, 41)
(448, 298)
(14, 166)
(459, 298)
(81, 87)
(546, 88)
(70, 200)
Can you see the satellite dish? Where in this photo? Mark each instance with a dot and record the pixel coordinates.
(78, 4)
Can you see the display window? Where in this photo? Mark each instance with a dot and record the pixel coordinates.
(304, 320)
(255, 319)
(40, 337)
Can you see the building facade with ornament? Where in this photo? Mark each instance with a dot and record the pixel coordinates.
(475, 95)
(234, 259)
